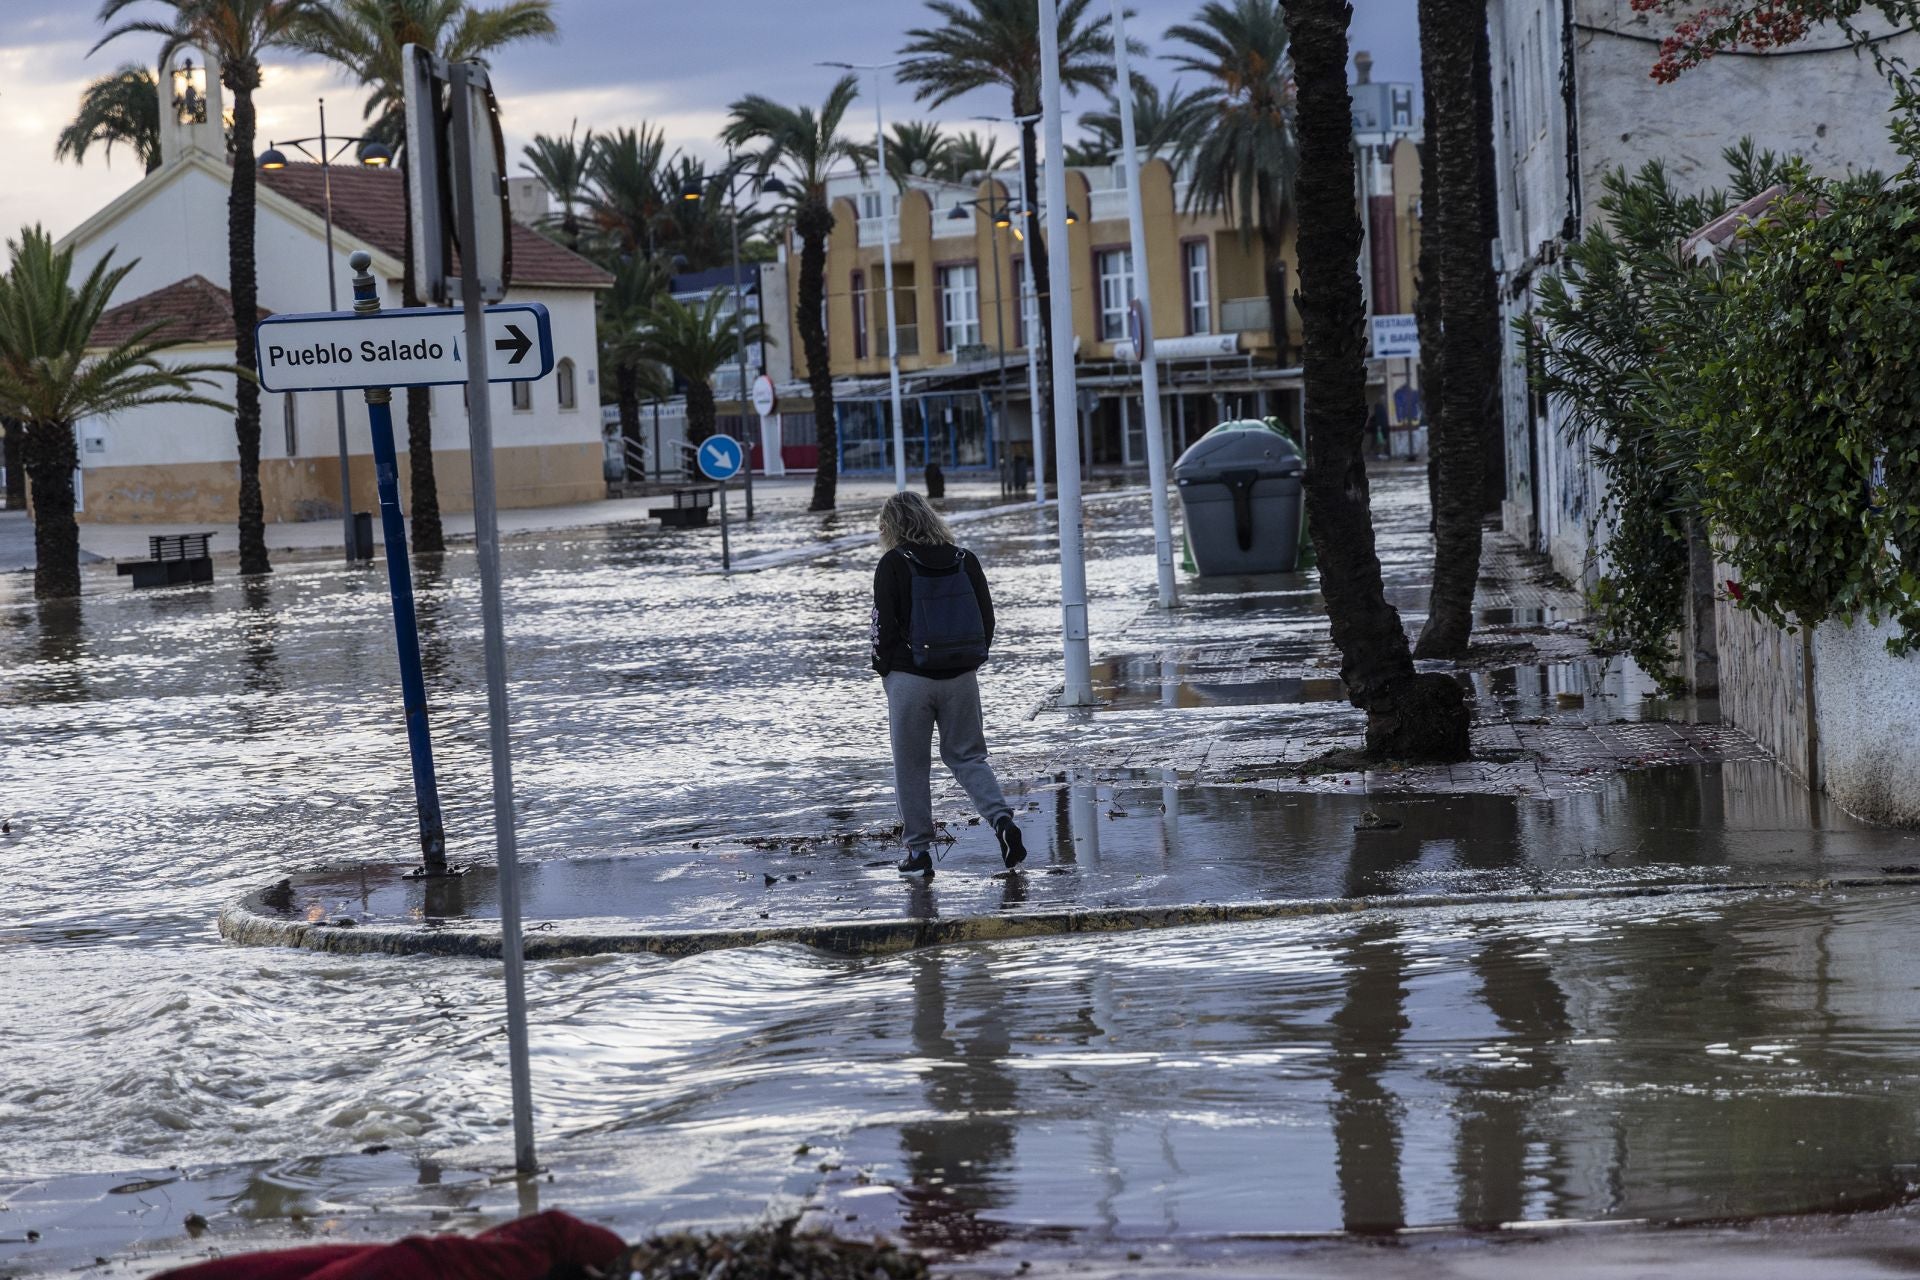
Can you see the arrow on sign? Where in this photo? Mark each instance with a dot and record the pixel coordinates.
(519, 344)
(716, 455)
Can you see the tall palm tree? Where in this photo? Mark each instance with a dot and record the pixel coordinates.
(619, 322)
(1242, 145)
(806, 145)
(120, 108)
(912, 142)
(49, 381)
(695, 341)
(1457, 218)
(699, 233)
(367, 37)
(237, 32)
(982, 44)
(972, 152)
(1161, 125)
(628, 194)
(1410, 715)
(562, 165)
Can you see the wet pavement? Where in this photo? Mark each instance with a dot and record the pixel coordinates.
(167, 753)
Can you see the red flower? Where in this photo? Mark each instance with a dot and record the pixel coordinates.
(1735, 591)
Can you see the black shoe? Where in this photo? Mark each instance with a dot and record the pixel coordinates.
(1013, 849)
(918, 862)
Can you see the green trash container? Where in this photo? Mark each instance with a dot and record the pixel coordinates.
(1240, 497)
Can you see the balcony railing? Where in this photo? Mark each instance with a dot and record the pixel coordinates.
(1108, 204)
(1245, 315)
(874, 230)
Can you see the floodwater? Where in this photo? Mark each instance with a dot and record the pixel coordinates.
(165, 752)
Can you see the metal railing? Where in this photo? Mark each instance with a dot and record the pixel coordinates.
(909, 340)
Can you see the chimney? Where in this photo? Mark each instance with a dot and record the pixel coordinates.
(1362, 67)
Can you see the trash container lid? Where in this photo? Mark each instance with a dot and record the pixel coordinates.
(1243, 445)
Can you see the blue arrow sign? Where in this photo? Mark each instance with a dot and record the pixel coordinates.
(721, 457)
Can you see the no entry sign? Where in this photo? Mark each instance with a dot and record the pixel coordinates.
(420, 347)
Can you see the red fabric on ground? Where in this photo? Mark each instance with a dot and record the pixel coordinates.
(525, 1249)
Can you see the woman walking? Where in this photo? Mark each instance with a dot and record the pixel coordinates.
(932, 626)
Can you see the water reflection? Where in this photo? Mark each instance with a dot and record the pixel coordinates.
(1366, 1033)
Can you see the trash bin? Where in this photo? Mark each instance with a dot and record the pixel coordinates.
(1240, 494)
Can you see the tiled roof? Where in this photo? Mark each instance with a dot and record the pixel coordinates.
(370, 204)
(191, 310)
(1708, 241)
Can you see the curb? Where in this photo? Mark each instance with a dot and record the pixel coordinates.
(240, 923)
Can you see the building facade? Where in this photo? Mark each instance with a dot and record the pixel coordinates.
(171, 463)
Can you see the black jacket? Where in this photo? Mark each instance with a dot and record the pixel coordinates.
(893, 603)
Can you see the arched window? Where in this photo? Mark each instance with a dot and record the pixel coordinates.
(522, 396)
(563, 379)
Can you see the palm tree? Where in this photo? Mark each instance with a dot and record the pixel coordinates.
(562, 165)
(621, 317)
(1242, 145)
(1161, 126)
(914, 142)
(628, 194)
(972, 152)
(1456, 217)
(699, 233)
(49, 381)
(1410, 715)
(996, 43)
(236, 32)
(805, 145)
(367, 37)
(694, 341)
(123, 107)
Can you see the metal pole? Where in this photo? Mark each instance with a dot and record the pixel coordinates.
(333, 304)
(740, 336)
(1030, 318)
(726, 544)
(486, 536)
(999, 312)
(893, 328)
(406, 629)
(1077, 691)
(1143, 293)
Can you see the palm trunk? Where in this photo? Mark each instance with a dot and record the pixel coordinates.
(428, 535)
(1486, 322)
(1409, 715)
(1271, 239)
(626, 382)
(1426, 304)
(1447, 35)
(1037, 264)
(701, 412)
(813, 221)
(242, 75)
(14, 460)
(50, 457)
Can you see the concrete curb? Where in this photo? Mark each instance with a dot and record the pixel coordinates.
(241, 923)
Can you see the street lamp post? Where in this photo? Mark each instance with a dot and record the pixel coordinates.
(1000, 210)
(773, 186)
(1030, 318)
(886, 267)
(373, 154)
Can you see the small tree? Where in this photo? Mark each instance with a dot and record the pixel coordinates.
(122, 108)
(695, 341)
(621, 323)
(563, 165)
(50, 380)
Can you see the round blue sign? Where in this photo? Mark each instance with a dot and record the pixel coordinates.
(721, 457)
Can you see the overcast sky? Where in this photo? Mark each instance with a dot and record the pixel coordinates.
(675, 63)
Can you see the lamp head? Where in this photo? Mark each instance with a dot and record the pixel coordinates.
(376, 155)
(959, 213)
(273, 158)
(774, 187)
(1072, 217)
(690, 191)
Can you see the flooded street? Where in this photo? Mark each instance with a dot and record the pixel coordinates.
(164, 753)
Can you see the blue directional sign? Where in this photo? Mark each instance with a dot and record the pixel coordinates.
(721, 457)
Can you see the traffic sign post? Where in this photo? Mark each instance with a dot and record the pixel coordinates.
(720, 459)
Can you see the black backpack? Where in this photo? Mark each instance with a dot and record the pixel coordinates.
(944, 627)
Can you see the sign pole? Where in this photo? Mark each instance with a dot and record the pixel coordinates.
(406, 631)
(486, 534)
(726, 545)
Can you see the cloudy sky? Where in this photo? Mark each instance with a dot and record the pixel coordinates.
(675, 63)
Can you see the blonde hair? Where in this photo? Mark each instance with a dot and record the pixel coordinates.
(907, 519)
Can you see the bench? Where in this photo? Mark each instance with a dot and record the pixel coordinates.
(689, 509)
(172, 558)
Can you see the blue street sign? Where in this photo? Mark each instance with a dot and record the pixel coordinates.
(721, 457)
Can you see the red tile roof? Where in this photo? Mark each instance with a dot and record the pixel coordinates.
(191, 310)
(370, 204)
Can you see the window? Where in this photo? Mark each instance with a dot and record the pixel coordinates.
(290, 419)
(959, 306)
(522, 397)
(869, 204)
(859, 291)
(1199, 287)
(1115, 269)
(563, 379)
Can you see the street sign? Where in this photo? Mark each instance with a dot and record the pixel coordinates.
(764, 399)
(1139, 327)
(429, 207)
(1395, 336)
(721, 457)
(430, 181)
(420, 347)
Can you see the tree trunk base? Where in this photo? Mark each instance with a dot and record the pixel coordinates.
(1420, 717)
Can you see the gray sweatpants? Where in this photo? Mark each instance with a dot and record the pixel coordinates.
(915, 707)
